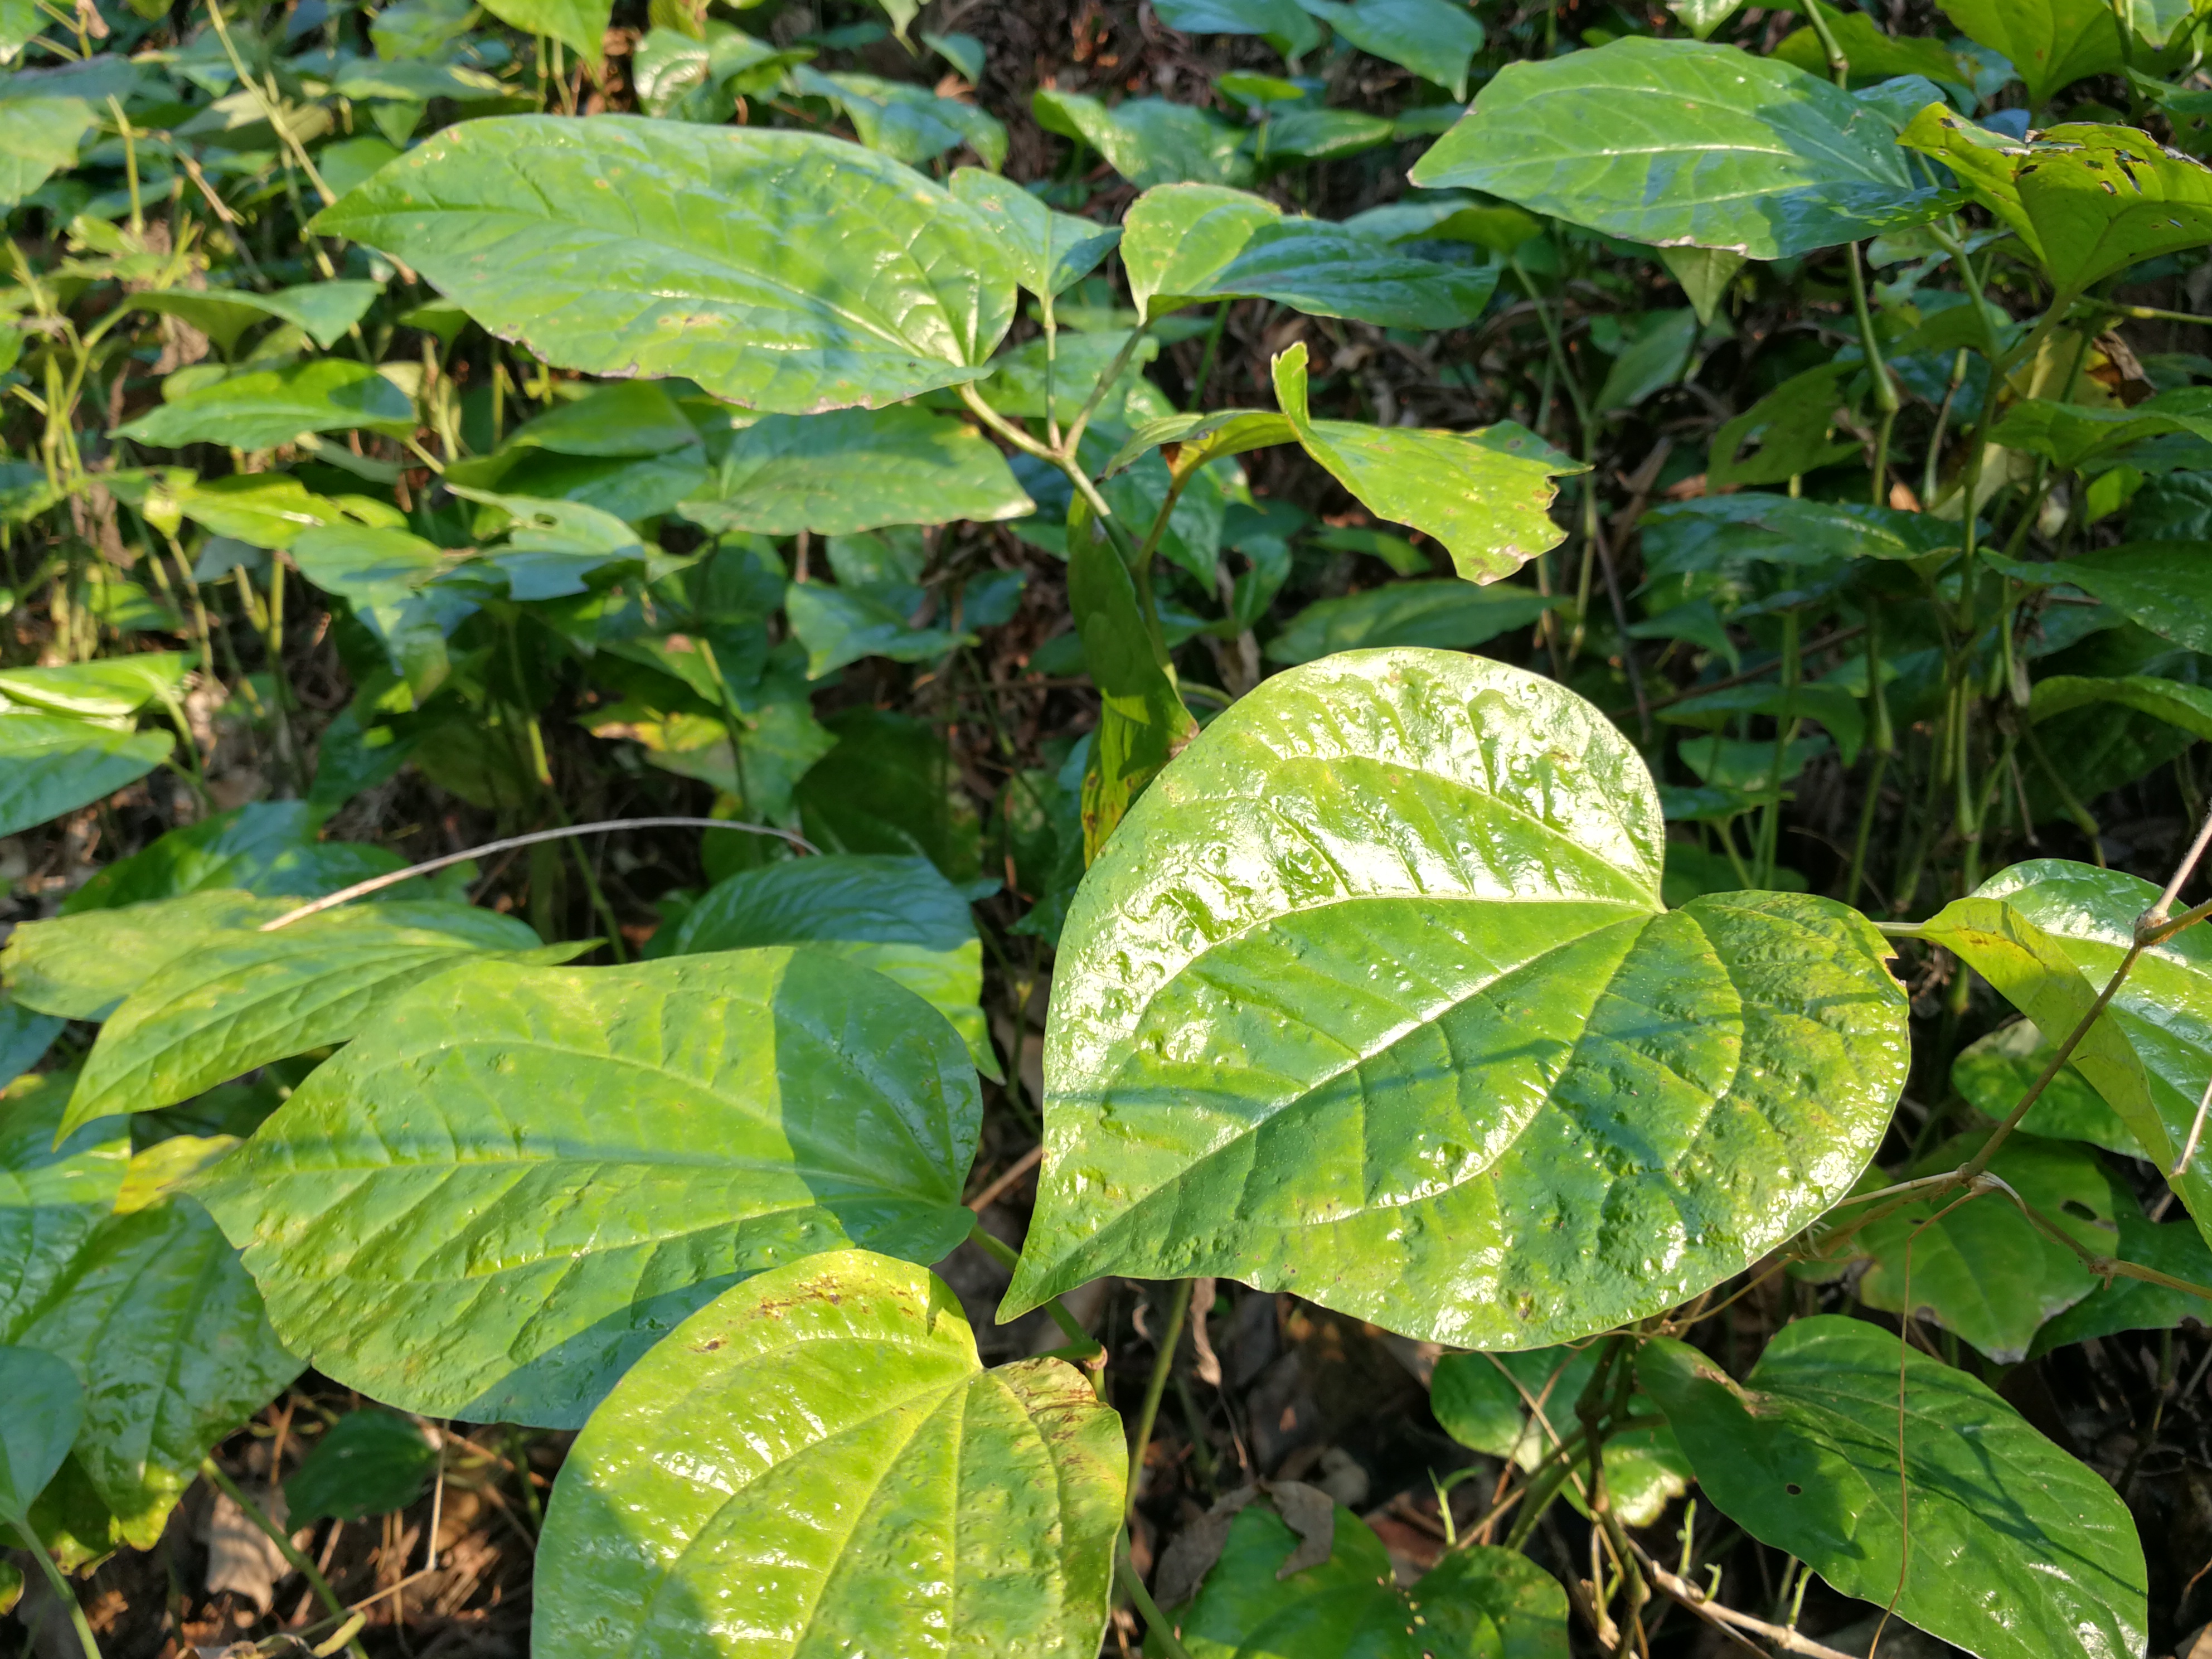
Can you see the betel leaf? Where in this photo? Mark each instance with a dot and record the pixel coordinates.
(905, 122)
(50, 765)
(53, 1193)
(818, 1462)
(1434, 38)
(369, 1463)
(855, 469)
(1317, 134)
(1702, 17)
(2069, 434)
(623, 417)
(1994, 1075)
(1675, 142)
(492, 1202)
(324, 310)
(889, 786)
(1804, 1454)
(1282, 24)
(897, 915)
(2049, 934)
(1184, 243)
(2155, 584)
(242, 997)
(1266, 1594)
(1486, 495)
(82, 967)
(1051, 251)
(1142, 721)
(1706, 533)
(267, 407)
(46, 1403)
(841, 625)
(2173, 1248)
(1455, 615)
(97, 690)
(1982, 1270)
(782, 271)
(580, 24)
(1373, 998)
(2174, 701)
(2050, 44)
(1149, 140)
(2086, 201)
(267, 848)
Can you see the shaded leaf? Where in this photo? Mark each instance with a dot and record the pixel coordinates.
(2155, 584)
(905, 122)
(976, 1509)
(1491, 1096)
(1454, 614)
(1282, 23)
(889, 786)
(324, 310)
(1995, 1074)
(368, 1462)
(2173, 1248)
(2050, 44)
(1803, 1455)
(50, 765)
(2179, 704)
(44, 1407)
(1434, 38)
(267, 848)
(521, 1178)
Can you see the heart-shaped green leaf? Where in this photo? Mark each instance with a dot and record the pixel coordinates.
(2147, 582)
(1803, 1455)
(240, 998)
(1486, 495)
(1671, 142)
(494, 1201)
(2050, 44)
(855, 469)
(782, 271)
(818, 1461)
(1371, 997)
(44, 1407)
(1184, 243)
(50, 765)
(273, 406)
(2086, 201)
(369, 1463)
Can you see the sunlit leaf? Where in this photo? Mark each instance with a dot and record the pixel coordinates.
(1051, 251)
(1456, 615)
(50, 765)
(1150, 141)
(1492, 1094)
(2051, 44)
(580, 24)
(324, 310)
(1434, 38)
(267, 407)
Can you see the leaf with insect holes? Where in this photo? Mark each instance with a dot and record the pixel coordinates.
(785, 271)
(1181, 244)
(1804, 1455)
(2086, 201)
(954, 1509)
(1672, 141)
(1371, 997)
(1486, 495)
(521, 1178)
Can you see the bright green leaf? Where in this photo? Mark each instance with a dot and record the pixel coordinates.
(496, 1199)
(1434, 38)
(2050, 43)
(905, 122)
(1492, 1095)
(1203, 438)
(1875, 53)
(1993, 1075)
(1051, 251)
(1671, 142)
(974, 1510)
(324, 310)
(838, 625)
(82, 967)
(50, 765)
(1149, 140)
(268, 407)
(580, 24)
(38, 137)
(105, 690)
(2155, 584)
(1702, 17)
(1184, 243)
(1454, 615)
(1803, 1455)
(782, 271)
(1486, 495)
(855, 469)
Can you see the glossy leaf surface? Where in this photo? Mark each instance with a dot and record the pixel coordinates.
(2051, 44)
(818, 1462)
(1484, 494)
(2147, 582)
(518, 1181)
(239, 999)
(780, 271)
(1372, 997)
(1994, 1075)
(1478, 1603)
(44, 1407)
(1181, 244)
(2174, 701)
(50, 765)
(2017, 1551)
(1434, 38)
(268, 407)
(905, 122)
(856, 469)
(1150, 141)
(2086, 201)
(1051, 251)
(1671, 142)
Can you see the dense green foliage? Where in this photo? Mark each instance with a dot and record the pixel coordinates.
(597, 599)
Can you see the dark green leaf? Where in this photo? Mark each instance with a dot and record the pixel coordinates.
(889, 786)
(1203, 438)
(625, 418)
(781, 270)
(1454, 614)
(241, 998)
(1282, 23)
(1669, 141)
(1486, 495)
(1184, 243)
(370, 1462)
(272, 406)
(25, 1036)
(1491, 1095)
(602, 1150)
(2186, 707)
(976, 1509)
(267, 848)
(50, 765)
(1434, 38)
(2069, 434)
(1803, 1455)
(1995, 1074)
(2156, 585)
(839, 626)
(855, 469)
(45, 1407)
(2172, 1247)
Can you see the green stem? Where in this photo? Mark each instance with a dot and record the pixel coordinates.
(1785, 733)
(1154, 1386)
(1069, 444)
(1156, 1622)
(1205, 361)
(60, 1586)
(1839, 67)
(300, 1564)
(1008, 1257)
